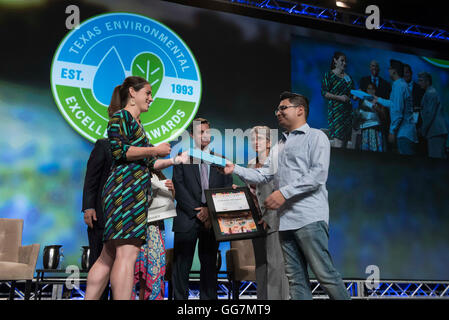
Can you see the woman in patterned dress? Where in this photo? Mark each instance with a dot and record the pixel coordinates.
(149, 270)
(336, 88)
(126, 192)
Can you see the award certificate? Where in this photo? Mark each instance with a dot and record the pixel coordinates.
(230, 201)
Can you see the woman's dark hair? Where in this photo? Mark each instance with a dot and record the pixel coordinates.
(159, 174)
(337, 55)
(369, 84)
(120, 95)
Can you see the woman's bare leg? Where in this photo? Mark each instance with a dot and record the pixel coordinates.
(98, 276)
(122, 273)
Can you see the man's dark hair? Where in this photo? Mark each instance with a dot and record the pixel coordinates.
(398, 66)
(296, 99)
(426, 76)
(407, 66)
(197, 121)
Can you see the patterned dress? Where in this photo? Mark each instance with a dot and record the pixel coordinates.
(126, 192)
(371, 129)
(373, 140)
(150, 264)
(339, 114)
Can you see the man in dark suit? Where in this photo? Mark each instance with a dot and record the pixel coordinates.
(192, 220)
(98, 169)
(416, 91)
(383, 87)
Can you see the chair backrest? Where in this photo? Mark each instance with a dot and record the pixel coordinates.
(245, 251)
(10, 239)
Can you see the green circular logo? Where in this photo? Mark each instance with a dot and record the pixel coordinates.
(437, 62)
(93, 59)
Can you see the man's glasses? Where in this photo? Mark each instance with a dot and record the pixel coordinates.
(282, 108)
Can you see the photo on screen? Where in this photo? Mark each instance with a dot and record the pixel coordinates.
(411, 114)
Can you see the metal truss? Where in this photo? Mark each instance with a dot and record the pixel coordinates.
(357, 289)
(248, 289)
(390, 289)
(410, 290)
(223, 289)
(344, 18)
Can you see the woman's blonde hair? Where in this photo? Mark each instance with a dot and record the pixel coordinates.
(263, 130)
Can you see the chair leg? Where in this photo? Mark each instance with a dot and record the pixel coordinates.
(12, 291)
(28, 289)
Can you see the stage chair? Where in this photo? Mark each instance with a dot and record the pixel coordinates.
(240, 264)
(17, 262)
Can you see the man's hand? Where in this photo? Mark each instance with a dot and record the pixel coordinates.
(183, 158)
(90, 214)
(203, 215)
(274, 200)
(229, 169)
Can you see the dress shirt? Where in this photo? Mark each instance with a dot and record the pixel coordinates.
(206, 150)
(401, 111)
(299, 166)
(375, 80)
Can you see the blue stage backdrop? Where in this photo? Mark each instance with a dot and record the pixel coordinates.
(385, 210)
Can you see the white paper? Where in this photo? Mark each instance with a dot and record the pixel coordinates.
(230, 201)
(161, 215)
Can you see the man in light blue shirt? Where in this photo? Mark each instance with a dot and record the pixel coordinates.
(299, 165)
(402, 127)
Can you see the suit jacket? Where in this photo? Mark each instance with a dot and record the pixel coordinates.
(187, 183)
(383, 90)
(417, 94)
(263, 190)
(433, 123)
(98, 169)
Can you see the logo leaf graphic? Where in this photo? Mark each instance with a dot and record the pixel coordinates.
(150, 67)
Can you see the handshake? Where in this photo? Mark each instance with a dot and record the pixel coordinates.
(273, 201)
(228, 169)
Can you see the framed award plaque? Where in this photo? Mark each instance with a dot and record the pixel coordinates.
(233, 214)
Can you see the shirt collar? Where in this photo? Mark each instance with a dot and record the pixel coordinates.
(205, 150)
(302, 129)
